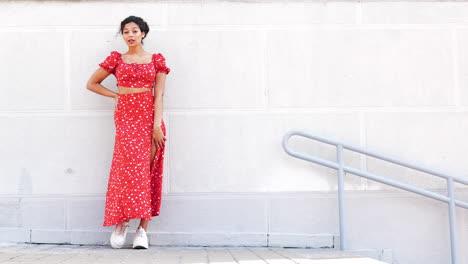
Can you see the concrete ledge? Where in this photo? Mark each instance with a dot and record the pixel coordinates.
(50, 236)
(86, 237)
(15, 235)
(301, 240)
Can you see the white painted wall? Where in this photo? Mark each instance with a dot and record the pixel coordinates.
(391, 76)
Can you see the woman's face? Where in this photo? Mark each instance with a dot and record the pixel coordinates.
(132, 34)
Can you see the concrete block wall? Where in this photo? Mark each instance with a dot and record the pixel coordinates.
(388, 75)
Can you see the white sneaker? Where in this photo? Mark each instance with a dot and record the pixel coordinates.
(117, 239)
(141, 239)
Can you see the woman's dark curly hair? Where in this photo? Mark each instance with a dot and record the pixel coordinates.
(137, 20)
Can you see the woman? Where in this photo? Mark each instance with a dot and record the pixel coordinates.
(135, 180)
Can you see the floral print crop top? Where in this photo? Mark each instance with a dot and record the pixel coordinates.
(136, 75)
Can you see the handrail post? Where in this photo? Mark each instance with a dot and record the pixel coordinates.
(339, 157)
(453, 238)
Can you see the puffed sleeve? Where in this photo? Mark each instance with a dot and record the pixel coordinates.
(110, 62)
(160, 63)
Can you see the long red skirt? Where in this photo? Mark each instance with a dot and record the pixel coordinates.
(135, 182)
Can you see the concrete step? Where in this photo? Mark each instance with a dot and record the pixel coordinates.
(329, 256)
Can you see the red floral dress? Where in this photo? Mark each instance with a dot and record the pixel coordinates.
(135, 182)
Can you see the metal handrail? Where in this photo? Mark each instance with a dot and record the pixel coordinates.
(341, 169)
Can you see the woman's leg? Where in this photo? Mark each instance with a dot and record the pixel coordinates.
(153, 152)
(144, 222)
(120, 228)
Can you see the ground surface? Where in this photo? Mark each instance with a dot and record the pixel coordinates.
(11, 253)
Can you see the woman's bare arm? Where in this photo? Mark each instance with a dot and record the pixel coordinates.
(158, 136)
(94, 83)
(158, 98)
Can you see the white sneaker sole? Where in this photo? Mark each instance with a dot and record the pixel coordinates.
(140, 247)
